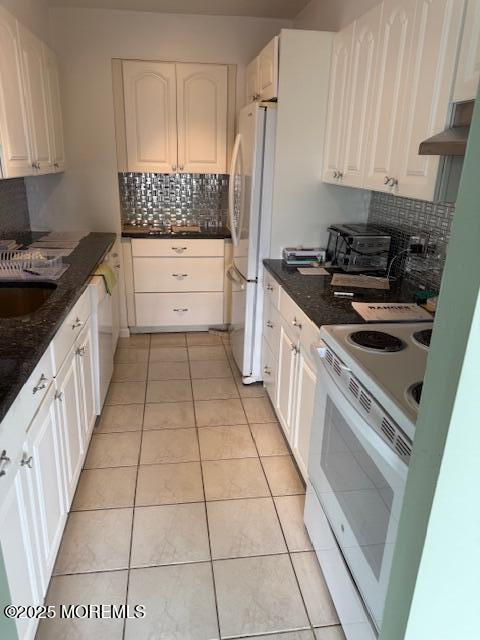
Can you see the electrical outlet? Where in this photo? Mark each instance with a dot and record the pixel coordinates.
(418, 244)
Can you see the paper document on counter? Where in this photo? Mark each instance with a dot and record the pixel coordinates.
(391, 312)
(313, 271)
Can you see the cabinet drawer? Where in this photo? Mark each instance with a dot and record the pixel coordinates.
(271, 288)
(271, 326)
(178, 274)
(177, 247)
(178, 309)
(68, 332)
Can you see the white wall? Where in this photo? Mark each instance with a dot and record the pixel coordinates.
(331, 15)
(34, 14)
(86, 41)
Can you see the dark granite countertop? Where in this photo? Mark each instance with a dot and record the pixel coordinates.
(129, 231)
(314, 295)
(25, 339)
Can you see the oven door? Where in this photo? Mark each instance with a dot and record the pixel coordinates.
(360, 483)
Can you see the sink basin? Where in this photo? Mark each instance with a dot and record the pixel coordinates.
(21, 298)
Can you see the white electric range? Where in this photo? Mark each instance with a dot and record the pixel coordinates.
(368, 392)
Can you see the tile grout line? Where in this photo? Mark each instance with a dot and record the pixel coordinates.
(215, 597)
(281, 527)
(135, 494)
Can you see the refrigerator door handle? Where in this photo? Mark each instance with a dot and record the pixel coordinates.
(235, 223)
(232, 275)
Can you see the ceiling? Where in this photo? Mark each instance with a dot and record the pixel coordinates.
(286, 9)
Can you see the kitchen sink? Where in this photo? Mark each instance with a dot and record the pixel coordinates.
(21, 298)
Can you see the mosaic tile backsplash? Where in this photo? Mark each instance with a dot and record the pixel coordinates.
(13, 207)
(161, 200)
(403, 217)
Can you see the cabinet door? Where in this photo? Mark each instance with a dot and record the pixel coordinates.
(338, 104)
(70, 416)
(150, 116)
(35, 81)
(55, 109)
(392, 75)
(468, 72)
(269, 371)
(252, 81)
(268, 71)
(427, 96)
(15, 157)
(42, 464)
(287, 360)
(304, 404)
(18, 550)
(202, 94)
(362, 68)
(86, 373)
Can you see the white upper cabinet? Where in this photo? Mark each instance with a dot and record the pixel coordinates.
(14, 143)
(389, 99)
(36, 92)
(338, 104)
(252, 79)
(150, 116)
(55, 109)
(262, 73)
(468, 73)
(176, 117)
(268, 71)
(202, 96)
(427, 93)
(361, 80)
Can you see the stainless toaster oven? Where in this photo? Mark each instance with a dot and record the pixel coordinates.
(358, 247)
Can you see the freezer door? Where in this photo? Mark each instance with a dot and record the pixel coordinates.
(244, 295)
(246, 198)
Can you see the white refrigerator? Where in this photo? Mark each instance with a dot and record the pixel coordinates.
(250, 218)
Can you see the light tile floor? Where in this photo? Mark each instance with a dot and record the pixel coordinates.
(190, 504)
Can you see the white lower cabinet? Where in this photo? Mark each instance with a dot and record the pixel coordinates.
(303, 411)
(287, 362)
(289, 373)
(70, 416)
(42, 470)
(18, 549)
(86, 376)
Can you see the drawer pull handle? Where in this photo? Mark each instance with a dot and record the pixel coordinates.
(181, 310)
(4, 463)
(41, 384)
(179, 249)
(294, 348)
(179, 276)
(80, 351)
(269, 324)
(267, 371)
(78, 323)
(296, 323)
(26, 461)
(59, 396)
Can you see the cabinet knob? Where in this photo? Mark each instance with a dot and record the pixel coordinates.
(80, 351)
(114, 255)
(386, 180)
(296, 323)
(56, 165)
(5, 462)
(181, 167)
(41, 384)
(335, 175)
(269, 324)
(269, 287)
(339, 175)
(294, 348)
(267, 371)
(174, 167)
(59, 396)
(26, 461)
(393, 182)
(77, 323)
(181, 310)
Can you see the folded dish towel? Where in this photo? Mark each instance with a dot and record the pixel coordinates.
(108, 276)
